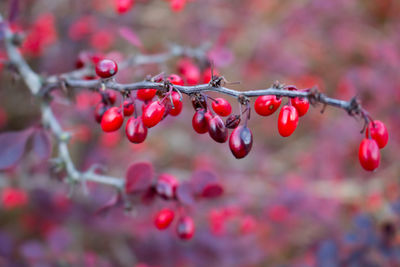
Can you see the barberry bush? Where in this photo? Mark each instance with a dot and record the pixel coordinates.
(199, 133)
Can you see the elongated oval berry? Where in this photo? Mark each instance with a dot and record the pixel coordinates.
(241, 141)
(175, 79)
(222, 107)
(129, 108)
(153, 114)
(301, 104)
(166, 186)
(369, 154)
(106, 68)
(217, 129)
(287, 121)
(177, 104)
(112, 120)
(146, 94)
(267, 104)
(200, 121)
(123, 6)
(378, 132)
(164, 218)
(185, 228)
(101, 108)
(135, 130)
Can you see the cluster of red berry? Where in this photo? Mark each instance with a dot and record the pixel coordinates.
(208, 120)
(376, 137)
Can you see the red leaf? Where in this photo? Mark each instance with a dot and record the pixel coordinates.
(139, 177)
(41, 144)
(12, 147)
(205, 184)
(130, 36)
(212, 191)
(185, 193)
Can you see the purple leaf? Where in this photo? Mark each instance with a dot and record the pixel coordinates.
(116, 200)
(41, 144)
(185, 193)
(130, 36)
(139, 177)
(12, 147)
(205, 184)
(14, 10)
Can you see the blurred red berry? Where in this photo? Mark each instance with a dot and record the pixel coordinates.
(164, 219)
(13, 198)
(106, 68)
(207, 75)
(185, 228)
(123, 6)
(166, 186)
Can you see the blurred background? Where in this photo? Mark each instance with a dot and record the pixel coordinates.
(297, 201)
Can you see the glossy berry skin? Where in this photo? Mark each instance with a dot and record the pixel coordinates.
(153, 114)
(166, 186)
(135, 130)
(112, 120)
(217, 129)
(101, 108)
(146, 94)
(379, 133)
(175, 79)
(241, 141)
(267, 104)
(123, 6)
(200, 121)
(287, 121)
(129, 108)
(232, 121)
(164, 219)
(222, 107)
(369, 154)
(185, 228)
(106, 68)
(301, 104)
(176, 109)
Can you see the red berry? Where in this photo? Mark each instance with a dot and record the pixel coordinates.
(190, 71)
(185, 228)
(106, 68)
(177, 5)
(222, 107)
(175, 79)
(217, 129)
(146, 94)
(378, 132)
(288, 120)
(241, 141)
(301, 104)
(101, 108)
(109, 97)
(129, 108)
(166, 186)
(369, 155)
(267, 104)
(123, 6)
(153, 113)
(164, 218)
(13, 198)
(135, 130)
(200, 121)
(112, 120)
(207, 75)
(177, 107)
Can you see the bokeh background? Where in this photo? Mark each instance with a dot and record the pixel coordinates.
(297, 201)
